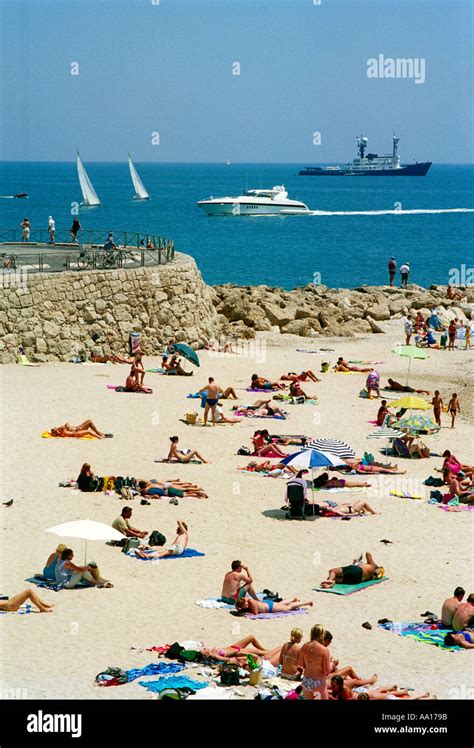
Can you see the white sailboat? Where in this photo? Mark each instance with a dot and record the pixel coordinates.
(140, 191)
(88, 192)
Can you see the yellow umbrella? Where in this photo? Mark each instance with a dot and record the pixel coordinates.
(411, 402)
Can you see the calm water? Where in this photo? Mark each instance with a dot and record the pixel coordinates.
(347, 250)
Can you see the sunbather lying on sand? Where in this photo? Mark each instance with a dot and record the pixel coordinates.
(177, 455)
(388, 693)
(248, 606)
(237, 652)
(271, 468)
(303, 377)
(356, 573)
(464, 490)
(260, 383)
(261, 408)
(342, 365)
(87, 428)
(175, 549)
(223, 347)
(97, 358)
(222, 418)
(361, 468)
(461, 639)
(397, 387)
(15, 602)
(155, 489)
(360, 506)
(324, 481)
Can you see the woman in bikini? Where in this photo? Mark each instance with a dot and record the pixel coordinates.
(324, 481)
(87, 428)
(249, 606)
(289, 655)
(303, 377)
(261, 448)
(347, 508)
(180, 456)
(249, 645)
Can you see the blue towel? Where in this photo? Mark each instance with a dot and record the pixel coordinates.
(174, 681)
(188, 553)
(26, 608)
(162, 668)
(48, 584)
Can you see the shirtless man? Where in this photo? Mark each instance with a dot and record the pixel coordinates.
(397, 387)
(356, 573)
(212, 391)
(261, 383)
(289, 655)
(450, 606)
(342, 365)
(297, 391)
(437, 403)
(237, 583)
(177, 548)
(314, 664)
(464, 615)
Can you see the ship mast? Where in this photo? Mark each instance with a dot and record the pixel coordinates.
(395, 145)
(361, 145)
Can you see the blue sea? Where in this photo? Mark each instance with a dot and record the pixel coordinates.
(337, 250)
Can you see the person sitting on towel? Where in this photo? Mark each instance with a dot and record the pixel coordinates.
(175, 549)
(122, 524)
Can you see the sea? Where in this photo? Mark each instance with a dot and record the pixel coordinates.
(355, 226)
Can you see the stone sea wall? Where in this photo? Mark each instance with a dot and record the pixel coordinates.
(54, 315)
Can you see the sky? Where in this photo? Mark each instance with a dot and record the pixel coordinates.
(239, 80)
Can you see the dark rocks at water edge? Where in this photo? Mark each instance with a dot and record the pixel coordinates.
(316, 310)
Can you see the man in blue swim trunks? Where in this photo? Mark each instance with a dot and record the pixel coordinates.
(356, 573)
(212, 398)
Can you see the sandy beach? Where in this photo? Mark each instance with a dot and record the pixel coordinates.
(57, 656)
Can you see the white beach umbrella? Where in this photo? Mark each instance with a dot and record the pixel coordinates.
(385, 432)
(86, 529)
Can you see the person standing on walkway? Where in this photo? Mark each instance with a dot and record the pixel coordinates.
(404, 272)
(51, 229)
(25, 230)
(408, 329)
(75, 228)
(392, 269)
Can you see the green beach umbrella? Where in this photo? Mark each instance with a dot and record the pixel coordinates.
(410, 351)
(417, 423)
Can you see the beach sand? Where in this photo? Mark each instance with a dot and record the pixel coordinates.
(58, 656)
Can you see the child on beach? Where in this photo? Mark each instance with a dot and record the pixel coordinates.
(453, 408)
(437, 403)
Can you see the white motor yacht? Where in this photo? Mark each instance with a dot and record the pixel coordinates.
(254, 203)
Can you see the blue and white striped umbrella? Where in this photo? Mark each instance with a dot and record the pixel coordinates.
(333, 446)
(312, 458)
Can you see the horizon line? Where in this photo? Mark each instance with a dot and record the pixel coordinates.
(223, 163)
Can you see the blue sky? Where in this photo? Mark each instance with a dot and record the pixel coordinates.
(168, 68)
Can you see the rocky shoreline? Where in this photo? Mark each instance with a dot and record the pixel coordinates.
(316, 310)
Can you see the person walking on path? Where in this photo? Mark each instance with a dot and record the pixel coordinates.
(404, 272)
(408, 329)
(75, 228)
(51, 229)
(392, 269)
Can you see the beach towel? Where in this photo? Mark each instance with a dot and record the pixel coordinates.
(456, 507)
(23, 361)
(318, 351)
(265, 473)
(119, 388)
(350, 589)
(173, 681)
(48, 584)
(406, 495)
(258, 389)
(213, 603)
(188, 553)
(49, 435)
(420, 632)
(365, 363)
(241, 414)
(282, 614)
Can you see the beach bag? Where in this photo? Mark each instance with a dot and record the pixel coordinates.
(244, 451)
(437, 495)
(130, 543)
(156, 538)
(118, 483)
(230, 674)
(324, 367)
(191, 418)
(126, 493)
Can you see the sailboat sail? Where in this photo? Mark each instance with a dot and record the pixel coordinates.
(140, 191)
(88, 192)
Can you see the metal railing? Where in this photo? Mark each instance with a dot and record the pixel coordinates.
(37, 254)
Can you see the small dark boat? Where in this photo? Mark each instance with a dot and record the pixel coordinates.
(21, 194)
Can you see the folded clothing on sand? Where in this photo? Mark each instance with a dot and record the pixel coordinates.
(421, 632)
(350, 589)
(117, 677)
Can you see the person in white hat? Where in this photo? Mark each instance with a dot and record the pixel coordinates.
(404, 272)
